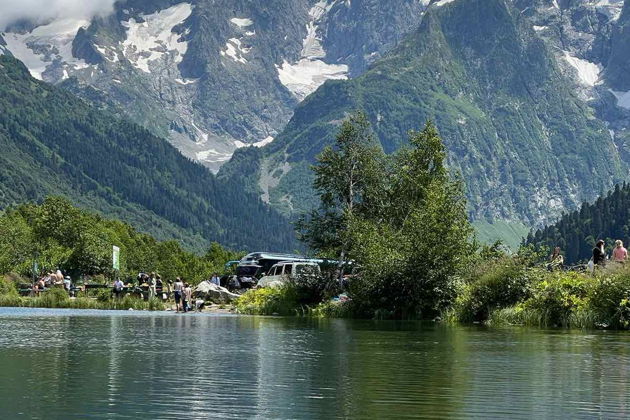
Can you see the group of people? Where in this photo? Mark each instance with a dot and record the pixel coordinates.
(599, 257)
(183, 296)
(52, 279)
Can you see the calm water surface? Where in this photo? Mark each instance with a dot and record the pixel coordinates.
(63, 364)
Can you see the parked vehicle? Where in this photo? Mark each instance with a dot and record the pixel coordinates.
(287, 271)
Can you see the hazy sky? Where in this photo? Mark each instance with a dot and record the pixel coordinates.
(42, 10)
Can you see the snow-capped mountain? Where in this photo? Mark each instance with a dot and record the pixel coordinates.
(212, 75)
(530, 97)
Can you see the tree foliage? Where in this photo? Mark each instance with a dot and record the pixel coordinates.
(408, 230)
(575, 233)
(55, 144)
(59, 235)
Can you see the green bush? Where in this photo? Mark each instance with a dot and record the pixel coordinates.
(53, 298)
(269, 301)
(558, 299)
(11, 300)
(104, 295)
(493, 286)
(573, 300)
(610, 299)
(7, 286)
(331, 309)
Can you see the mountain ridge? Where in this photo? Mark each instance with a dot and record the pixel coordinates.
(526, 144)
(56, 144)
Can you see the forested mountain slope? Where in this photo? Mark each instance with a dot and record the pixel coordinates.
(54, 143)
(575, 233)
(525, 141)
(212, 75)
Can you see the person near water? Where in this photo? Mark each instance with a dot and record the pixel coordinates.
(216, 279)
(186, 297)
(556, 260)
(599, 254)
(178, 288)
(118, 288)
(152, 286)
(620, 254)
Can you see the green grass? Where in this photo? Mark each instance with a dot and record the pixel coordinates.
(510, 233)
(57, 298)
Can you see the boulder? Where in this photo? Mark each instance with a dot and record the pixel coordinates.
(213, 293)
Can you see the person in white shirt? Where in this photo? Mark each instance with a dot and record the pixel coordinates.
(178, 288)
(118, 288)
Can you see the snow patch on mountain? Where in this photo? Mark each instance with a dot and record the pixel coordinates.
(236, 50)
(623, 99)
(153, 38)
(587, 72)
(40, 48)
(242, 22)
(110, 54)
(212, 156)
(443, 2)
(307, 74)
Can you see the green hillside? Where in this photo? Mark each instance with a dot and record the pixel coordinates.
(526, 145)
(54, 143)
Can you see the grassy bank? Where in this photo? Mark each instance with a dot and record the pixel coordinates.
(58, 298)
(507, 293)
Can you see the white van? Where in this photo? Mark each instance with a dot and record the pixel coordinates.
(286, 271)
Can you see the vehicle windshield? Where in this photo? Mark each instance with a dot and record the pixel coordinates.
(247, 270)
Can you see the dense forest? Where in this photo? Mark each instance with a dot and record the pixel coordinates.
(575, 233)
(55, 144)
(57, 235)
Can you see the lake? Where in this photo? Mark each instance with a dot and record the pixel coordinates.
(65, 364)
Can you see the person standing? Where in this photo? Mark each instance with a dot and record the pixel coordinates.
(178, 288)
(152, 288)
(187, 297)
(67, 283)
(216, 279)
(118, 288)
(620, 254)
(599, 255)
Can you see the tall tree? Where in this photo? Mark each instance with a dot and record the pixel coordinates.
(401, 218)
(348, 179)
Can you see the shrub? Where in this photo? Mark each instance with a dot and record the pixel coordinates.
(493, 286)
(610, 299)
(104, 295)
(51, 298)
(558, 299)
(7, 286)
(331, 309)
(11, 300)
(269, 301)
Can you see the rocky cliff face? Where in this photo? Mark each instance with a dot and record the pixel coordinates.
(515, 89)
(213, 75)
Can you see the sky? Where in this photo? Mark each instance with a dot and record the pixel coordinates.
(44, 10)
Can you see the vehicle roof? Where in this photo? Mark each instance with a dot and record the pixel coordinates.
(271, 256)
(306, 262)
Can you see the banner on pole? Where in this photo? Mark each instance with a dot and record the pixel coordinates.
(116, 258)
